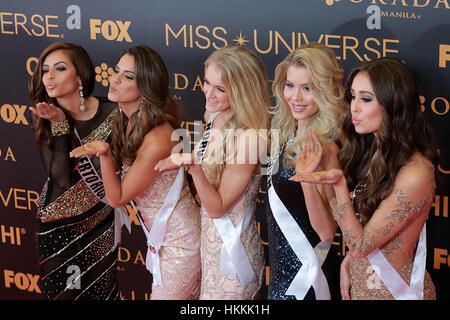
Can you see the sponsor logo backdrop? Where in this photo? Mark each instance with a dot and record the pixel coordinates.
(185, 33)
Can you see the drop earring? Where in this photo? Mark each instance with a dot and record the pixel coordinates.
(82, 106)
(140, 107)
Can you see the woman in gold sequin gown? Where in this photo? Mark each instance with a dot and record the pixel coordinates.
(141, 137)
(75, 230)
(389, 161)
(227, 182)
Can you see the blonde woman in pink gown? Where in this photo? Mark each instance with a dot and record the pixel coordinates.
(226, 173)
(141, 137)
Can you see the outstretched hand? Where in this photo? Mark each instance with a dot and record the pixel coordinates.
(321, 177)
(311, 155)
(95, 148)
(176, 160)
(48, 111)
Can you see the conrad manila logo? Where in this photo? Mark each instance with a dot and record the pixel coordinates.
(401, 9)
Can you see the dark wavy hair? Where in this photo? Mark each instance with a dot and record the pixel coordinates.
(159, 107)
(85, 70)
(374, 161)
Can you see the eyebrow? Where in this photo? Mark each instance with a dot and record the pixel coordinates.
(220, 87)
(301, 84)
(55, 63)
(362, 91)
(117, 66)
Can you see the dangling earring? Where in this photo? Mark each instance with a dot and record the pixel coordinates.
(82, 106)
(140, 107)
(120, 109)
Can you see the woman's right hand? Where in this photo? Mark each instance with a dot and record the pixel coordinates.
(345, 278)
(48, 111)
(177, 160)
(95, 148)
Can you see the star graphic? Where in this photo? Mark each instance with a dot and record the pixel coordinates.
(240, 40)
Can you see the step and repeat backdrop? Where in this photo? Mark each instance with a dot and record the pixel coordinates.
(185, 33)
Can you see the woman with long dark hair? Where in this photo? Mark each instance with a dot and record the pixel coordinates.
(76, 229)
(389, 160)
(141, 137)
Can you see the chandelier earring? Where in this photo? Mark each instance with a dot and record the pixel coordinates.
(82, 106)
(140, 107)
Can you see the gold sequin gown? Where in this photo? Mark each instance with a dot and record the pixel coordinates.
(75, 231)
(405, 204)
(180, 251)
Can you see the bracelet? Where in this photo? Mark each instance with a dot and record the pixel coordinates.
(59, 128)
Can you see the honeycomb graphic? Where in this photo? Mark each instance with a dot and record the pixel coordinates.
(103, 74)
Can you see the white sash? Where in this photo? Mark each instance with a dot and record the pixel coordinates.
(393, 281)
(158, 231)
(90, 176)
(233, 257)
(310, 273)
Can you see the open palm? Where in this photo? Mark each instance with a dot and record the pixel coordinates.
(94, 148)
(48, 111)
(311, 155)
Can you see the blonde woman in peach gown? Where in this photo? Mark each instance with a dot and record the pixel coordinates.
(226, 180)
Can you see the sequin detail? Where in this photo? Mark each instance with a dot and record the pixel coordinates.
(78, 199)
(68, 234)
(59, 128)
(86, 259)
(102, 131)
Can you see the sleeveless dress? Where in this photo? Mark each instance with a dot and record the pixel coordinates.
(226, 287)
(283, 262)
(366, 284)
(180, 251)
(75, 231)
(214, 285)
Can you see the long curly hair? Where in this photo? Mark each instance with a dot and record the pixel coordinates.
(328, 93)
(159, 106)
(85, 70)
(246, 82)
(374, 161)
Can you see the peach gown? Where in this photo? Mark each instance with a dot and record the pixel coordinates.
(180, 251)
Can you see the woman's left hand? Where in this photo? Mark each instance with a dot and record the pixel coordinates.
(95, 148)
(322, 177)
(311, 155)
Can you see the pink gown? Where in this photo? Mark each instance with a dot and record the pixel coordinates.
(226, 287)
(180, 250)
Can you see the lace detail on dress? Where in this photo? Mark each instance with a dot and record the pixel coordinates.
(180, 250)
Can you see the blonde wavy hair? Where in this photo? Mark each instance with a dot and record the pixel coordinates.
(247, 85)
(327, 91)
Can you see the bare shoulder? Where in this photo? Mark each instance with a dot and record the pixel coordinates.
(417, 171)
(158, 141)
